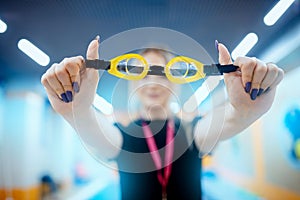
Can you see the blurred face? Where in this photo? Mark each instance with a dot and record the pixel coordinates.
(154, 91)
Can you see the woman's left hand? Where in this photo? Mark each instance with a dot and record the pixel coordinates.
(251, 89)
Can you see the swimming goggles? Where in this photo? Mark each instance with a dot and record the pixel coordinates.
(178, 70)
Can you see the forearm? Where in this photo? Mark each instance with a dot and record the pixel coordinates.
(220, 124)
(97, 133)
(236, 121)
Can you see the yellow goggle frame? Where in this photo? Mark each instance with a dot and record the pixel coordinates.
(200, 70)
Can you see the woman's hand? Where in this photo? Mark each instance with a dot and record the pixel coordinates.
(68, 78)
(251, 90)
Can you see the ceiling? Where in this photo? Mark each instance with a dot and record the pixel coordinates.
(64, 27)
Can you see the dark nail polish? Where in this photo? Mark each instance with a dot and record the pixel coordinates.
(254, 94)
(69, 96)
(248, 87)
(75, 87)
(217, 45)
(260, 91)
(64, 97)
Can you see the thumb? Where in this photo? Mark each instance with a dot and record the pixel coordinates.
(224, 55)
(93, 49)
(225, 59)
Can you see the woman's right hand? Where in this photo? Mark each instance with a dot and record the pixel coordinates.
(68, 78)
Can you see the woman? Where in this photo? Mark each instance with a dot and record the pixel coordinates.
(170, 173)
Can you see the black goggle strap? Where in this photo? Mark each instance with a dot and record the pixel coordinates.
(209, 70)
(97, 64)
(217, 69)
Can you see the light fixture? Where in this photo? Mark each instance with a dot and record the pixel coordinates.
(3, 26)
(245, 45)
(33, 52)
(201, 93)
(101, 104)
(277, 11)
(282, 47)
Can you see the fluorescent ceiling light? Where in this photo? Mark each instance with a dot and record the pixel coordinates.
(101, 104)
(201, 93)
(3, 26)
(283, 46)
(33, 52)
(277, 11)
(245, 45)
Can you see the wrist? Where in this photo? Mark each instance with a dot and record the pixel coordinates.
(78, 113)
(240, 118)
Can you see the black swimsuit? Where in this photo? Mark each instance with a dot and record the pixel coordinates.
(185, 180)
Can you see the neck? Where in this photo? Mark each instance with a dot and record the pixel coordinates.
(155, 113)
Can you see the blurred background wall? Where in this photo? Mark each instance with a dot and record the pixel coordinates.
(40, 152)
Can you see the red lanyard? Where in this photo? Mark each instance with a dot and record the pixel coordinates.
(163, 180)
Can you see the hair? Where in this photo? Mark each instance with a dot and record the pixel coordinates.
(164, 53)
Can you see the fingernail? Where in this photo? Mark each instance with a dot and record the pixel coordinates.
(248, 87)
(217, 45)
(254, 94)
(64, 97)
(75, 87)
(69, 96)
(97, 38)
(260, 91)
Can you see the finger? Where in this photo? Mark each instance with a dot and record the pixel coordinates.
(278, 79)
(247, 66)
(260, 72)
(224, 55)
(272, 73)
(64, 78)
(73, 66)
(225, 59)
(48, 88)
(55, 84)
(93, 49)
